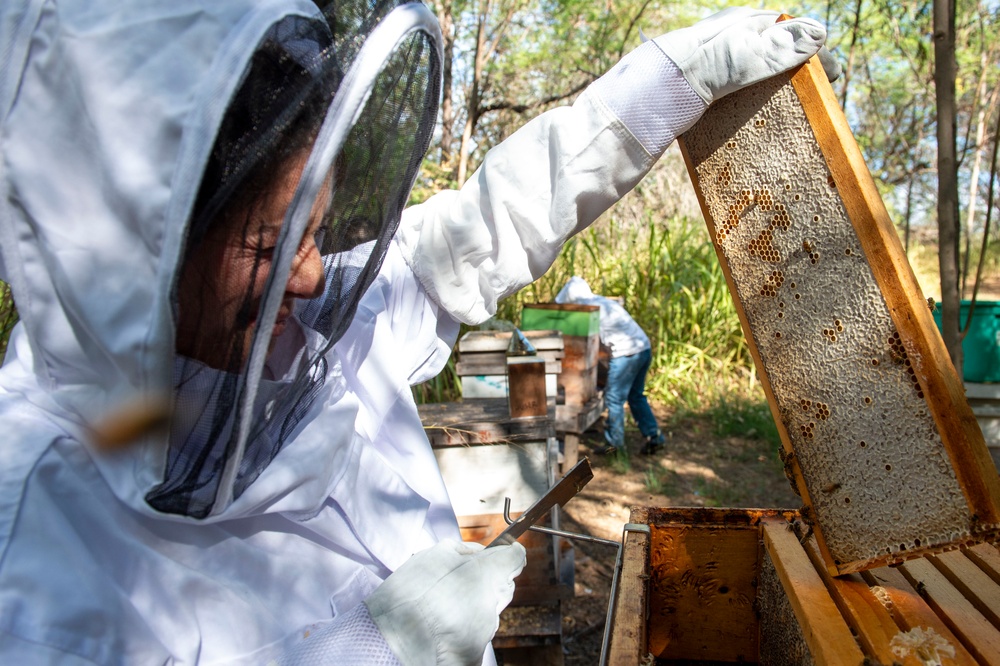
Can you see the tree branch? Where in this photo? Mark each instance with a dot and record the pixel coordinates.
(521, 108)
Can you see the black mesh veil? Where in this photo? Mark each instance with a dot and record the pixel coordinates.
(301, 195)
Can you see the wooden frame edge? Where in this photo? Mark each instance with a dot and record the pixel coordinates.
(827, 634)
(628, 646)
(957, 425)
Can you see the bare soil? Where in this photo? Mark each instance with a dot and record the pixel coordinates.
(697, 468)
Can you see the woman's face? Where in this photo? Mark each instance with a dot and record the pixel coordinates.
(222, 282)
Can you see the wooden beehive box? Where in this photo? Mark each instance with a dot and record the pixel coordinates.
(875, 426)
(580, 403)
(739, 586)
(482, 361)
(581, 342)
(485, 456)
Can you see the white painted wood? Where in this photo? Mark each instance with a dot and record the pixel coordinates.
(479, 477)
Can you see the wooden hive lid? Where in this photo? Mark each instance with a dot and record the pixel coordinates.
(497, 341)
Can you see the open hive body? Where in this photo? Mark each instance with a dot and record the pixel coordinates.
(712, 586)
(876, 431)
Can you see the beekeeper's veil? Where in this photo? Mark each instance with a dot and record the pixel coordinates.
(262, 169)
(347, 102)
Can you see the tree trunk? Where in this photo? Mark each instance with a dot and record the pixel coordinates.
(472, 99)
(444, 15)
(947, 207)
(850, 54)
(970, 212)
(986, 108)
(908, 214)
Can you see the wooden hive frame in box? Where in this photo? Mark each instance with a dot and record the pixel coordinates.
(710, 586)
(875, 427)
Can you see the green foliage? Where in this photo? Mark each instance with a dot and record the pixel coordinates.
(8, 316)
(743, 417)
(431, 179)
(671, 282)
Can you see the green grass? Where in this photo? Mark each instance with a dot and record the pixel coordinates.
(445, 387)
(659, 481)
(653, 481)
(619, 462)
(740, 416)
(710, 492)
(670, 280)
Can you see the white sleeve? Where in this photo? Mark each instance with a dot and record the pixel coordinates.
(422, 333)
(550, 179)
(351, 639)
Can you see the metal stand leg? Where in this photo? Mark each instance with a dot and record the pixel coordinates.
(628, 527)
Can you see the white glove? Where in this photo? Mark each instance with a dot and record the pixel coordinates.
(443, 605)
(740, 46)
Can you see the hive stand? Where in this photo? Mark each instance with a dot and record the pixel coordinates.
(485, 456)
(875, 427)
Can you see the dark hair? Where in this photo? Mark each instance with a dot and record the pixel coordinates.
(275, 113)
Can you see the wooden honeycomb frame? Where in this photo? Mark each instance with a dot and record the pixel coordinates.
(868, 405)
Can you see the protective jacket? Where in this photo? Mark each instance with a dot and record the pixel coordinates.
(617, 327)
(104, 108)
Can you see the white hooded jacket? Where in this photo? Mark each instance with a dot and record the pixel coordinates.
(106, 111)
(618, 330)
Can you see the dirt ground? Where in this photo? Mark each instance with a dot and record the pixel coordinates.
(697, 468)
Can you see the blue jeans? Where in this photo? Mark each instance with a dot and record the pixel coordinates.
(627, 381)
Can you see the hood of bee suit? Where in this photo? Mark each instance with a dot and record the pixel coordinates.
(144, 151)
(575, 290)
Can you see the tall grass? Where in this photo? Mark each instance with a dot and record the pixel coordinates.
(670, 280)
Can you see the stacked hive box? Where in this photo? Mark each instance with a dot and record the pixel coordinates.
(482, 361)
(985, 402)
(581, 402)
(485, 456)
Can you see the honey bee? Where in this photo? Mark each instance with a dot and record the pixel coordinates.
(130, 422)
(787, 462)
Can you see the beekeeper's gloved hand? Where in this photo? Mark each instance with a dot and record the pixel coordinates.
(740, 46)
(662, 87)
(443, 605)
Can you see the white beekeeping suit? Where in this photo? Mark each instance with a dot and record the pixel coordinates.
(618, 330)
(201, 218)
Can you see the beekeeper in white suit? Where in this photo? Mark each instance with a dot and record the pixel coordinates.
(202, 219)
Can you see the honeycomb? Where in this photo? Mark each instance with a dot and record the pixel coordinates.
(781, 638)
(879, 478)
